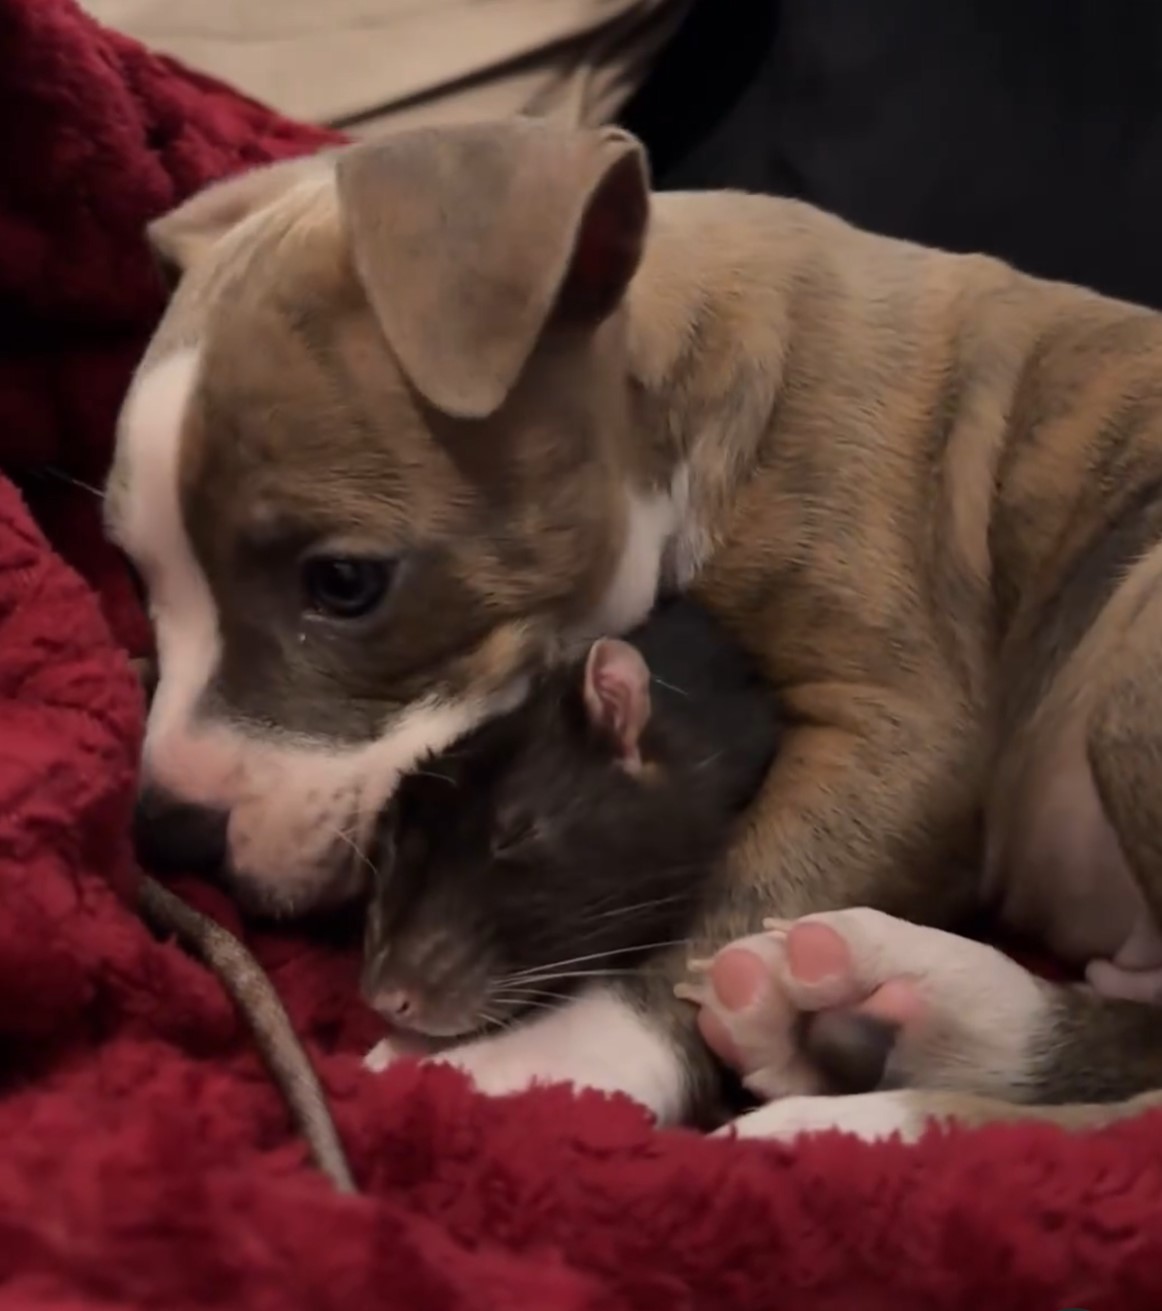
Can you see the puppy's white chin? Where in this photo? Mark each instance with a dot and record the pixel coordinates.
(303, 814)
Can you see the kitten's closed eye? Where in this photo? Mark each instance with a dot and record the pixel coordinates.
(513, 833)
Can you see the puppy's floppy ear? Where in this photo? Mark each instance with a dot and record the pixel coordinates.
(180, 237)
(617, 696)
(469, 239)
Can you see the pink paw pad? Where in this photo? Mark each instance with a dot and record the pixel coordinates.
(745, 974)
(820, 962)
(740, 1007)
(755, 991)
(740, 976)
(817, 954)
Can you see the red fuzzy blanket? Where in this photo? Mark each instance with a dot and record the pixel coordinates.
(145, 1159)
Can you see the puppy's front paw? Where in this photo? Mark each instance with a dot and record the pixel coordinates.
(748, 1017)
(859, 998)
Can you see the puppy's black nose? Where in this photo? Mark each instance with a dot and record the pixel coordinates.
(172, 836)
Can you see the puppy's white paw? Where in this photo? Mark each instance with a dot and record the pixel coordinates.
(871, 1117)
(959, 1015)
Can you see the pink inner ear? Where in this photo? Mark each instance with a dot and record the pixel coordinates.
(617, 695)
(609, 243)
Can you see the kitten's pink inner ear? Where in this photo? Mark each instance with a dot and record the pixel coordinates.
(617, 696)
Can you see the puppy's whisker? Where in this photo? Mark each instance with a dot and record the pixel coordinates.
(431, 773)
(521, 994)
(489, 1012)
(526, 997)
(61, 476)
(360, 854)
(612, 902)
(593, 930)
(595, 917)
(523, 975)
(661, 682)
(637, 906)
(581, 974)
(531, 1003)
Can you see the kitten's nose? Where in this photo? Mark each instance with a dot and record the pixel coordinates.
(398, 1004)
(175, 837)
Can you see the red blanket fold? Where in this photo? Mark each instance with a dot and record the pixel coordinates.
(145, 1158)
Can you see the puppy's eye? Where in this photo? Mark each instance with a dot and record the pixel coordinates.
(345, 586)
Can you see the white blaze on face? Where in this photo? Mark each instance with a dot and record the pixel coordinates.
(633, 587)
(181, 606)
(301, 810)
(662, 541)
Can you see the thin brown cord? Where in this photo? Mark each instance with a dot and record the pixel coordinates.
(254, 995)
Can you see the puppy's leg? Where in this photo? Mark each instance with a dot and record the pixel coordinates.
(907, 1114)
(858, 997)
(871, 801)
(1124, 749)
(1085, 1062)
(856, 1000)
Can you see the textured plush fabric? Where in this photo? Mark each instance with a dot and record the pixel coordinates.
(145, 1160)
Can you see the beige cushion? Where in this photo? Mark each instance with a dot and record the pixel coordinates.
(365, 64)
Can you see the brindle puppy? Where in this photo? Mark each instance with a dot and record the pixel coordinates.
(425, 411)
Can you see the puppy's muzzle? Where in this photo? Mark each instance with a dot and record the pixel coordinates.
(172, 836)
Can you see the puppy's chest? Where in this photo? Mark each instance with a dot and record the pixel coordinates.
(1059, 876)
(1062, 580)
(821, 586)
(1078, 485)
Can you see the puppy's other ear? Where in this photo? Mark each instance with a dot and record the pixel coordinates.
(617, 696)
(469, 239)
(145, 670)
(183, 235)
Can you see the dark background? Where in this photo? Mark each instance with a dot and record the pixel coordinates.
(1029, 129)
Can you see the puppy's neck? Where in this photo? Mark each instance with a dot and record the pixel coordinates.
(708, 323)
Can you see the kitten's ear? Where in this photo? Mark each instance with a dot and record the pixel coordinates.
(617, 696)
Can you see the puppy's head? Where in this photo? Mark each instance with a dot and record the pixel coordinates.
(372, 469)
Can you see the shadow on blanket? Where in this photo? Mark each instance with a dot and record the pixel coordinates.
(146, 1159)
